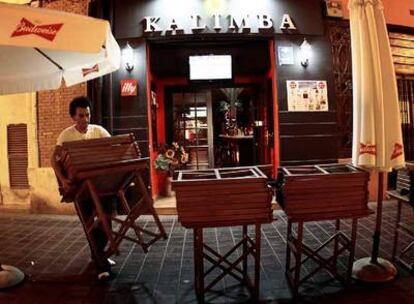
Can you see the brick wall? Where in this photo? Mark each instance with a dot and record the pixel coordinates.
(53, 106)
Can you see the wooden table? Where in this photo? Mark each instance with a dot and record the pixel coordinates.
(240, 147)
(218, 198)
(318, 193)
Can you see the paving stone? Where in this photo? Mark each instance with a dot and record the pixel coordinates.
(53, 252)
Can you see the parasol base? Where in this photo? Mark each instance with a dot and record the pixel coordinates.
(379, 272)
(10, 276)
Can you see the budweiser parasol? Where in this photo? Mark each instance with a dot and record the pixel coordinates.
(40, 47)
(377, 139)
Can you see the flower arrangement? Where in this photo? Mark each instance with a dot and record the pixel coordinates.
(171, 158)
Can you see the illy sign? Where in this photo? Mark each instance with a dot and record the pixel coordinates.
(129, 87)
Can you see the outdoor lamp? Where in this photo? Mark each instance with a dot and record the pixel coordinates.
(128, 55)
(305, 52)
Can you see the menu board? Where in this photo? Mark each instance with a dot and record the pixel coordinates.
(307, 95)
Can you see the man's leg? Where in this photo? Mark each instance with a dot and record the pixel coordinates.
(87, 209)
(101, 239)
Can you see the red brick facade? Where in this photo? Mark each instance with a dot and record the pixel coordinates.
(53, 106)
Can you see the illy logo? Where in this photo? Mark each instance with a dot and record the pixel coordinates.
(128, 87)
(46, 31)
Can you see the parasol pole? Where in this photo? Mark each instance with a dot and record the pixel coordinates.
(375, 269)
(377, 234)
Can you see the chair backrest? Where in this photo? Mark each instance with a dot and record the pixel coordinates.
(109, 162)
(98, 154)
(405, 181)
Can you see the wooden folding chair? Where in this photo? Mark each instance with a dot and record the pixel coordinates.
(404, 195)
(220, 198)
(106, 167)
(320, 193)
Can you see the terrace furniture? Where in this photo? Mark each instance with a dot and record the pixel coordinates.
(218, 198)
(105, 167)
(404, 194)
(319, 193)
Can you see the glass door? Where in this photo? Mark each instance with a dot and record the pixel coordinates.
(193, 127)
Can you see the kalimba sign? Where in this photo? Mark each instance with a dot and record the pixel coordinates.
(224, 197)
(317, 193)
(107, 167)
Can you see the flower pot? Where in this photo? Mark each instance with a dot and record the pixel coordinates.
(164, 184)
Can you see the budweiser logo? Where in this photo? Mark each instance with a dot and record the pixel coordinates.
(47, 31)
(87, 71)
(129, 87)
(398, 150)
(367, 149)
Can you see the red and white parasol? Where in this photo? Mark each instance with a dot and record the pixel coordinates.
(377, 138)
(40, 47)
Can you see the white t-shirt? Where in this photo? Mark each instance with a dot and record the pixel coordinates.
(71, 134)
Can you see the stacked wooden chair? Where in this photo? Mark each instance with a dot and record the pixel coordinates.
(105, 167)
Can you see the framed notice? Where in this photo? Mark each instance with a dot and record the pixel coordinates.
(129, 87)
(307, 95)
(334, 8)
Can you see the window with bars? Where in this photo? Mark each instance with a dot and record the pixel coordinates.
(406, 100)
(17, 155)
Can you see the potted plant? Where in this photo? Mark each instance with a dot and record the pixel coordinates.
(169, 159)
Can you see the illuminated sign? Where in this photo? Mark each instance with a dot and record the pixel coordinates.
(241, 24)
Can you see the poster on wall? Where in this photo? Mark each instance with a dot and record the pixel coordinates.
(307, 95)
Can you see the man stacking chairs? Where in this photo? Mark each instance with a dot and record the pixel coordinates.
(95, 172)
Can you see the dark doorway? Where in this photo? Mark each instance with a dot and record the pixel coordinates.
(220, 126)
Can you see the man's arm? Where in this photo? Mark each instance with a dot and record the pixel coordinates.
(57, 167)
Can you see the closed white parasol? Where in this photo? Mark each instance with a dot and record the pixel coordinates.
(377, 139)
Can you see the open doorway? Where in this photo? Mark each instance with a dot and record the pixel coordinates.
(220, 126)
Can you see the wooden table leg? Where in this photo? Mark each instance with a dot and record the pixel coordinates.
(87, 228)
(288, 238)
(396, 232)
(199, 264)
(149, 203)
(336, 245)
(351, 258)
(102, 217)
(257, 252)
(298, 258)
(244, 236)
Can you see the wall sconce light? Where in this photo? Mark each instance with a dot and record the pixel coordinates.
(305, 53)
(128, 56)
